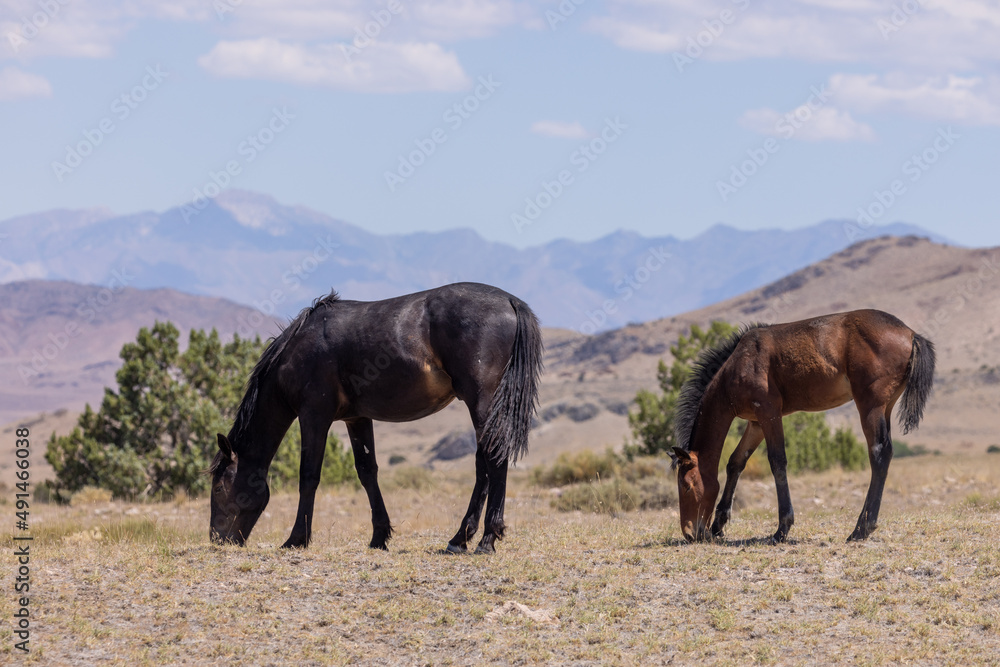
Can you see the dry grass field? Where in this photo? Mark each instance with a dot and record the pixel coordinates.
(121, 584)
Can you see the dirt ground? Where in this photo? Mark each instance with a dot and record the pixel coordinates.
(117, 584)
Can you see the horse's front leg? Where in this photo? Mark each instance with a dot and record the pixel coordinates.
(314, 433)
(774, 434)
(363, 442)
(752, 437)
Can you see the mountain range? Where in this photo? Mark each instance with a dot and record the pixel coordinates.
(248, 248)
(59, 344)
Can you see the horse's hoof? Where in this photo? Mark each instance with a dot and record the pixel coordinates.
(294, 544)
(456, 548)
(378, 545)
(485, 549)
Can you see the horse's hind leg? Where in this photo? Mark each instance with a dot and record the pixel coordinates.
(363, 443)
(774, 434)
(737, 462)
(875, 424)
(470, 524)
(491, 477)
(493, 525)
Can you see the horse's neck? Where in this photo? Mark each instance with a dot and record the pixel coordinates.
(269, 421)
(711, 428)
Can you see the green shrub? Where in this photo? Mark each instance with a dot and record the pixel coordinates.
(657, 493)
(607, 483)
(583, 466)
(652, 423)
(644, 468)
(901, 449)
(993, 449)
(338, 462)
(155, 434)
(809, 445)
(849, 452)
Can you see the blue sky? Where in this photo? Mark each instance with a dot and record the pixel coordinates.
(525, 121)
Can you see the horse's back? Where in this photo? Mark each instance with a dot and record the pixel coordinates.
(402, 358)
(818, 363)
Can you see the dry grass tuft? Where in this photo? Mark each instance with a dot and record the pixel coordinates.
(90, 495)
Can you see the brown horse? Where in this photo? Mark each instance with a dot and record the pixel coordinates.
(764, 372)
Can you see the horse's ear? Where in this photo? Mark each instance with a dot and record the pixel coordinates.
(680, 455)
(225, 447)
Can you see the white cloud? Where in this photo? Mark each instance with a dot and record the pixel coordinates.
(807, 124)
(968, 100)
(17, 84)
(92, 28)
(464, 19)
(380, 68)
(552, 128)
(416, 20)
(77, 29)
(957, 35)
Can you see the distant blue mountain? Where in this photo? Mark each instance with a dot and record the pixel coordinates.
(253, 250)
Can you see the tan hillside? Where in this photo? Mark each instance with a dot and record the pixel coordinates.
(950, 294)
(59, 341)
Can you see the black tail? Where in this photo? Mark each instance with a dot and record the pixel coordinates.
(505, 434)
(918, 383)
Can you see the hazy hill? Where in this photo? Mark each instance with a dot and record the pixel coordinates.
(250, 249)
(950, 294)
(59, 341)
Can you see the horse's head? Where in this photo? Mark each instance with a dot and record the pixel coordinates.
(239, 496)
(697, 493)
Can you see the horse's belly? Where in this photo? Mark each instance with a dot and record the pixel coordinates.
(407, 397)
(822, 394)
(414, 412)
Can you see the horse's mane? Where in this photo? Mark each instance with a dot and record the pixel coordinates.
(277, 345)
(705, 369)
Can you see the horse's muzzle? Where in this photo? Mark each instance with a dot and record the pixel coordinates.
(696, 532)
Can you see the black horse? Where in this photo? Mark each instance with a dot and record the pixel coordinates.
(394, 360)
